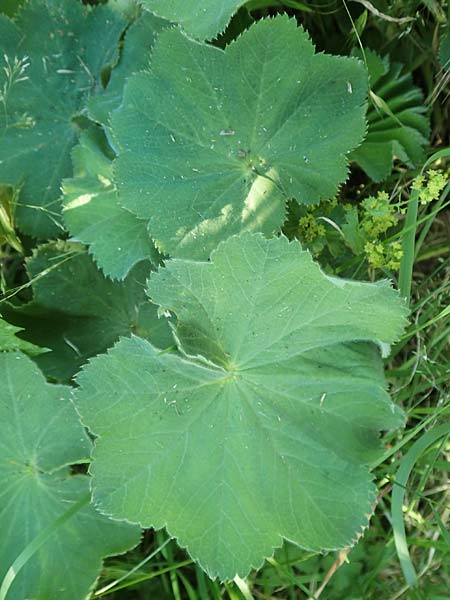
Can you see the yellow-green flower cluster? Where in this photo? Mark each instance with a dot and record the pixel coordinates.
(383, 255)
(430, 186)
(309, 229)
(378, 215)
(363, 229)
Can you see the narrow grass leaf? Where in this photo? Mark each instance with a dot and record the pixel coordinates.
(398, 495)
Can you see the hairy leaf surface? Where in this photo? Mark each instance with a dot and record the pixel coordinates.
(52, 58)
(77, 312)
(262, 426)
(41, 437)
(201, 20)
(117, 239)
(398, 125)
(213, 142)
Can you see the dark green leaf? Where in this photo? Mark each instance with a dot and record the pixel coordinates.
(398, 126)
(135, 57)
(41, 437)
(10, 342)
(78, 313)
(51, 61)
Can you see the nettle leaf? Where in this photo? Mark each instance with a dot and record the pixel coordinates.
(398, 123)
(41, 437)
(117, 239)
(263, 425)
(52, 59)
(134, 57)
(74, 325)
(216, 144)
(201, 20)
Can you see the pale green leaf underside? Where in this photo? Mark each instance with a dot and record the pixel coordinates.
(66, 46)
(201, 20)
(398, 125)
(77, 326)
(262, 426)
(41, 435)
(217, 144)
(117, 239)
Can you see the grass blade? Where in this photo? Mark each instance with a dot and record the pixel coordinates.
(398, 494)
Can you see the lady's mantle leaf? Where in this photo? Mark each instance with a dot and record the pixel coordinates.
(117, 239)
(216, 144)
(51, 62)
(77, 326)
(41, 436)
(262, 426)
(201, 20)
(398, 125)
(134, 57)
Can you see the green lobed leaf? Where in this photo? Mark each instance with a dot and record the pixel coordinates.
(261, 427)
(217, 144)
(51, 61)
(117, 239)
(134, 57)
(201, 20)
(77, 312)
(398, 124)
(41, 436)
